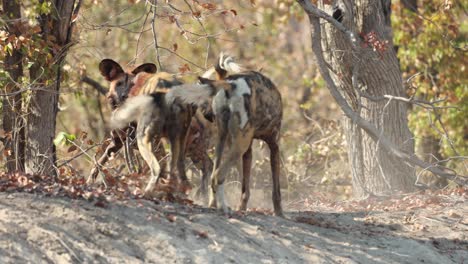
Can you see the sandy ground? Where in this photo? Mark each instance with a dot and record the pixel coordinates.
(39, 229)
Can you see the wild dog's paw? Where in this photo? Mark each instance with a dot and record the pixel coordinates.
(185, 187)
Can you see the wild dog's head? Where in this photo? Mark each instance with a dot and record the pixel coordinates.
(120, 80)
(224, 66)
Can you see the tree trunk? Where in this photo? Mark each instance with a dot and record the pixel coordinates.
(374, 171)
(43, 106)
(13, 123)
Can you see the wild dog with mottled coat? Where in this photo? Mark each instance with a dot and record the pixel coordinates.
(119, 86)
(246, 105)
(140, 98)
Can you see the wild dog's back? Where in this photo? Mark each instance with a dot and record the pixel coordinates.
(264, 112)
(146, 83)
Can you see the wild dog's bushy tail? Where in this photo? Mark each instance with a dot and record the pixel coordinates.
(131, 110)
(195, 94)
(209, 72)
(224, 65)
(227, 63)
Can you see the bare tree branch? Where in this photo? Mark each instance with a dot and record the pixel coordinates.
(208, 44)
(93, 83)
(155, 36)
(140, 35)
(422, 103)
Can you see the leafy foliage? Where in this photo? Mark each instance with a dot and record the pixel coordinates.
(432, 46)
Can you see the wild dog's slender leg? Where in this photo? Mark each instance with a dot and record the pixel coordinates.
(175, 150)
(206, 170)
(232, 157)
(275, 172)
(197, 151)
(129, 156)
(204, 145)
(145, 135)
(246, 167)
(218, 178)
(160, 153)
(239, 144)
(221, 123)
(182, 138)
(115, 145)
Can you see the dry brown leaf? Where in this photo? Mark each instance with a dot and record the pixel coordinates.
(184, 68)
(72, 148)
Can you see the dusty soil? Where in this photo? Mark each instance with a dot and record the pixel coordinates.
(35, 228)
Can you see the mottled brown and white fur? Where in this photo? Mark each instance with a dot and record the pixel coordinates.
(139, 97)
(246, 106)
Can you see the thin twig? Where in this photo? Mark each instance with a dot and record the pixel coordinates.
(83, 151)
(204, 30)
(155, 35)
(141, 34)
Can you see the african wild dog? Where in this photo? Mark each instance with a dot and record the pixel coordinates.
(246, 105)
(174, 122)
(147, 107)
(119, 82)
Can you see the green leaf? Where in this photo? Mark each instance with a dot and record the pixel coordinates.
(44, 8)
(64, 138)
(9, 48)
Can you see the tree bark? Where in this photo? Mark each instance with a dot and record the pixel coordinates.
(13, 123)
(374, 170)
(43, 106)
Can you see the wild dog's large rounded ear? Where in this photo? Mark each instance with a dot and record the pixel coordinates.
(203, 80)
(110, 69)
(147, 67)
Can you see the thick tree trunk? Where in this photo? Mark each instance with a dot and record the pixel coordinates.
(374, 171)
(42, 111)
(43, 106)
(13, 123)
